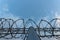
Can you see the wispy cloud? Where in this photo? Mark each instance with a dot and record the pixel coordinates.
(5, 13)
(57, 15)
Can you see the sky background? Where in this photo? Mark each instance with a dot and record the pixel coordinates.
(35, 9)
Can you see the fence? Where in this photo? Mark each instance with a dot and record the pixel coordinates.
(19, 28)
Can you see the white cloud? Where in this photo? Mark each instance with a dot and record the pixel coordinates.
(5, 13)
(57, 15)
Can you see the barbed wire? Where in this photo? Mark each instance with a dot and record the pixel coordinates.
(19, 28)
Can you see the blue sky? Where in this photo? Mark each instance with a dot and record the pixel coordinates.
(36, 9)
(33, 8)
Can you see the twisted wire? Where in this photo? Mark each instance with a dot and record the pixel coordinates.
(12, 28)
